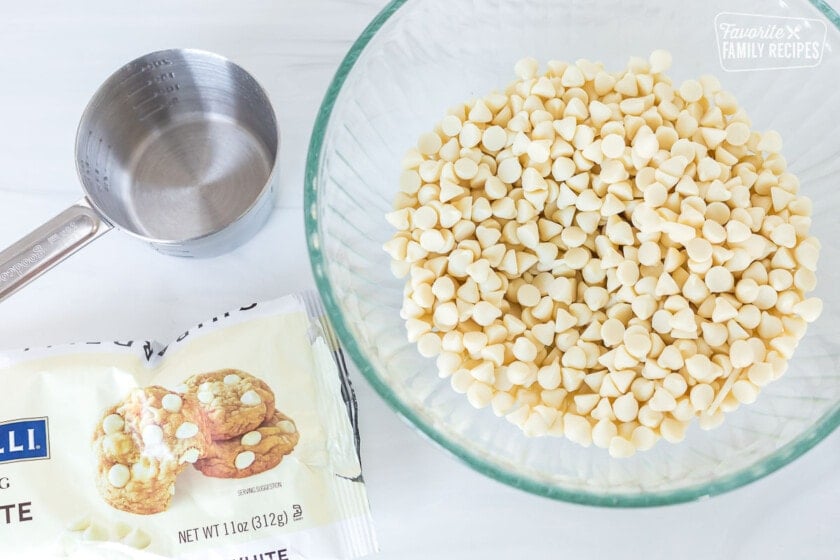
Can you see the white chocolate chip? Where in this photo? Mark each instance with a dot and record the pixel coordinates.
(244, 460)
(672, 430)
(172, 402)
(737, 133)
(186, 430)
(701, 396)
(143, 470)
(613, 146)
(251, 438)
(152, 434)
(80, 523)
(626, 408)
(205, 397)
(119, 475)
(95, 533)
(719, 279)
(662, 401)
(450, 125)
(286, 427)
(526, 68)
(528, 295)
(760, 374)
(250, 398)
(120, 529)
(660, 61)
(191, 455)
(745, 391)
(809, 309)
(643, 438)
(603, 431)
(113, 423)
(429, 143)
(137, 538)
(620, 447)
(691, 90)
(494, 138)
(577, 429)
(741, 354)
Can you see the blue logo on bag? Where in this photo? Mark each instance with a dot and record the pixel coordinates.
(24, 440)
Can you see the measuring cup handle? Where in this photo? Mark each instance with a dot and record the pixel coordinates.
(48, 245)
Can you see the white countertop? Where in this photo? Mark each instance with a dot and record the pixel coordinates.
(426, 504)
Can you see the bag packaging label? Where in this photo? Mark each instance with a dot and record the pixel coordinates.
(235, 441)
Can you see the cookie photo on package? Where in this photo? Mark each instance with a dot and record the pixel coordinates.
(236, 441)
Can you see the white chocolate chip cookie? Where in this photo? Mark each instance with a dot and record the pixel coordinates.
(143, 443)
(253, 452)
(233, 402)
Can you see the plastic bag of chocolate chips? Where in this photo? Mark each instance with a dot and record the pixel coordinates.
(238, 440)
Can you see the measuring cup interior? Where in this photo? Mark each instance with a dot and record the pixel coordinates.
(176, 145)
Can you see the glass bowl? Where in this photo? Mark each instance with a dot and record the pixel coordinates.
(414, 61)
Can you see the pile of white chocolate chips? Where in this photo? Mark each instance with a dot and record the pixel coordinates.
(604, 256)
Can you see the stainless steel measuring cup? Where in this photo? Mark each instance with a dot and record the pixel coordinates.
(177, 148)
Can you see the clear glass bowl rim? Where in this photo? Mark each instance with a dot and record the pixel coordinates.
(781, 457)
